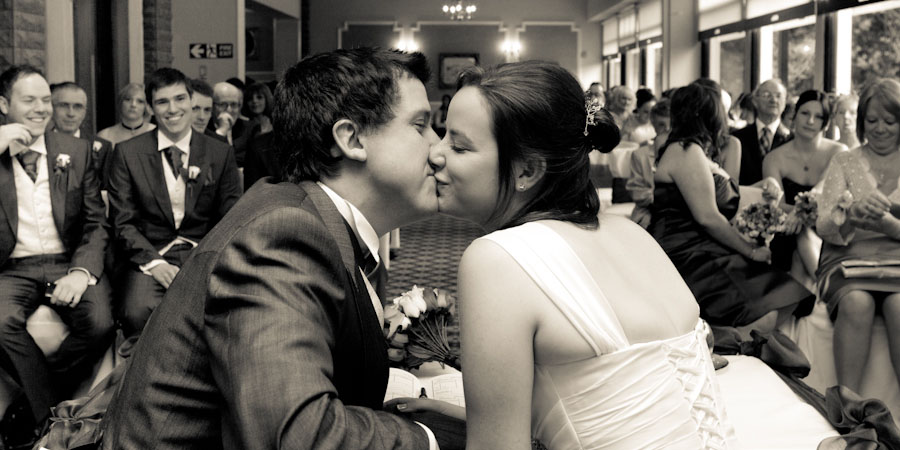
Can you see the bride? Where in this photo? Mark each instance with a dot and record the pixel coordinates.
(574, 331)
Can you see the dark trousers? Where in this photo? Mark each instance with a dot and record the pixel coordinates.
(46, 381)
(140, 294)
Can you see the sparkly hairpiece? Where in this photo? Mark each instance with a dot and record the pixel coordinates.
(592, 109)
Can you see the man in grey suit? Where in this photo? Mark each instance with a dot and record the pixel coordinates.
(271, 336)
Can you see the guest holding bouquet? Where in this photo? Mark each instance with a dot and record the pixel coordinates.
(859, 271)
(797, 166)
(693, 201)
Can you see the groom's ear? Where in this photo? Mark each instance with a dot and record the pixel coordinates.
(346, 137)
(529, 172)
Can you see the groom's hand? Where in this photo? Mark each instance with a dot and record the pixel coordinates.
(406, 405)
(449, 429)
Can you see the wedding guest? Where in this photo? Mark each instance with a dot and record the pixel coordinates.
(797, 166)
(201, 104)
(693, 201)
(439, 120)
(167, 189)
(643, 164)
(69, 111)
(621, 104)
(638, 127)
(269, 336)
(53, 237)
(729, 146)
(858, 275)
(227, 123)
(742, 112)
(134, 115)
(765, 133)
(845, 120)
(597, 325)
(258, 107)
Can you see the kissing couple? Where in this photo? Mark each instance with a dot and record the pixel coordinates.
(271, 335)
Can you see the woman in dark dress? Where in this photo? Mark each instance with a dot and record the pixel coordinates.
(798, 165)
(693, 201)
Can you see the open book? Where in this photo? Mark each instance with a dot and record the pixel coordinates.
(447, 387)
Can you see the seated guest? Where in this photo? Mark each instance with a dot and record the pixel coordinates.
(227, 122)
(845, 120)
(201, 105)
(766, 133)
(797, 166)
(620, 104)
(638, 127)
(693, 201)
(134, 117)
(741, 113)
(258, 106)
(52, 242)
(859, 275)
(167, 189)
(69, 110)
(643, 164)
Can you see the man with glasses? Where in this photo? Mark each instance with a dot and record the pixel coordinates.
(69, 110)
(227, 122)
(766, 133)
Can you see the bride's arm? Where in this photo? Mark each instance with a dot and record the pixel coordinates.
(497, 329)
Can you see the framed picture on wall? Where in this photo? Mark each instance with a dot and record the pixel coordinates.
(451, 65)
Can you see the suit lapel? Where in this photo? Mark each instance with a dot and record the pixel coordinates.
(8, 191)
(335, 224)
(58, 182)
(156, 179)
(196, 158)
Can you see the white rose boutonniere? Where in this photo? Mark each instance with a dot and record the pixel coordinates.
(193, 172)
(62, 161)
(97, 146)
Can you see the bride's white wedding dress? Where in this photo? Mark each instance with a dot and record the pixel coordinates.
(650, 395)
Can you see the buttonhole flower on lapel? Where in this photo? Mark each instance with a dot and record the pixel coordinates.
(97, 146)
(193, 173)
(62, 162)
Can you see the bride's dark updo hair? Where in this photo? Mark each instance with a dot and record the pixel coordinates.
(539, 115)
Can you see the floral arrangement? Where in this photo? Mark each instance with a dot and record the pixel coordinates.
(420, 326)
(839, 213)
(758, 222)
(193, 171)
(806, 208)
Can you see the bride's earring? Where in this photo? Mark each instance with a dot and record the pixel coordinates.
(521, 187)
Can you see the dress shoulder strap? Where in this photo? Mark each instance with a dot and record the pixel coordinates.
(549, 260)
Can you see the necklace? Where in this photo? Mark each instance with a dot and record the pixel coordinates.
(884, 168)
(133, 129)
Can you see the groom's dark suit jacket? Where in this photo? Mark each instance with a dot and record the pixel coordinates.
(139, 206)
(266, 339)
(78, 209)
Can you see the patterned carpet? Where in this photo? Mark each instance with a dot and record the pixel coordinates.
(429, 254)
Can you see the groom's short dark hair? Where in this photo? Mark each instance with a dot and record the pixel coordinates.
(358, 84)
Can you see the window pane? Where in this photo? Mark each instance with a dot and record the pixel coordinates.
(793, 57)
(657, 71)
(731, 66)
(875, 46)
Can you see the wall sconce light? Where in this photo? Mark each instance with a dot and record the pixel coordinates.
(407, 45)
(511, 47)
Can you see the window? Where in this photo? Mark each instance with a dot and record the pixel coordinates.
(793, 54)
(726, 62)
(875, 51)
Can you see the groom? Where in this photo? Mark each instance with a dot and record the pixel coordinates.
(270, 336)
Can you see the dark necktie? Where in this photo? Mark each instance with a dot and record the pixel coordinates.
(173, 155)
(765, 140)
(369, 266)
(28, 159)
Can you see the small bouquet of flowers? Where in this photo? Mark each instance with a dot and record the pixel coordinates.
(839, 213)
(806, 208)
(420, 326)
(758, 222)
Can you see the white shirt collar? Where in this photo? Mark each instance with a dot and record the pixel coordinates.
(773, 127)
(358, 223)
(183, 144)
(77, 133)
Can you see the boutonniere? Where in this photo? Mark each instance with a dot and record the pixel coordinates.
(193, 172)
(62, 162)
(97, 146)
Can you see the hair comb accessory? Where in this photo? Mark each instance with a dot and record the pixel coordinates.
(592, 108)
